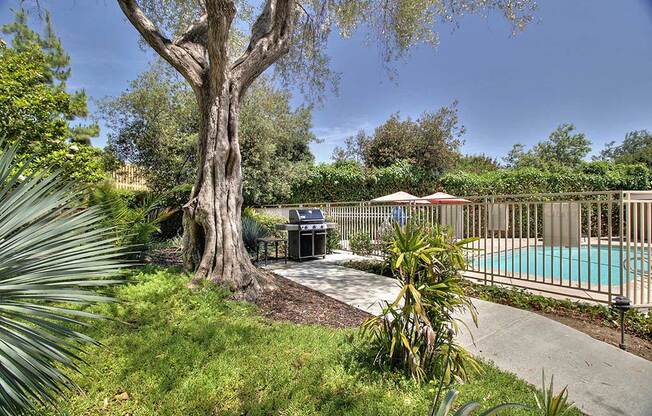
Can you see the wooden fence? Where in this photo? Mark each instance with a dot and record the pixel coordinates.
(129, 177)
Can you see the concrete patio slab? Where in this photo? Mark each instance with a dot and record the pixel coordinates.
(602, 379)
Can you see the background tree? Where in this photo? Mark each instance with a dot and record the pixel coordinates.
(56, 70)
(431, 142)
(476, 163)
(155, 124)
(34, 117)
(635, 148)
(564, 147)
(36, 111)
(274, 143)
(194, 37)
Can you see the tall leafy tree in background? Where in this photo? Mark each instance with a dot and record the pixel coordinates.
(564, 147)
(431, 142)
(194, 37)
(636, 147)
(57, 69)
(274, 140)
(479, 163)
(155, 124)
(36, 110)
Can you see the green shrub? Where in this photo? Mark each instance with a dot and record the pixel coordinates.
(268, 222)
(333, 238)
(360, 244)
(353, 182)
(134, 220)
(252, 230)
(415, 332)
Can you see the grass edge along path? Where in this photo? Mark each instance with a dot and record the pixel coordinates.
(170, 351)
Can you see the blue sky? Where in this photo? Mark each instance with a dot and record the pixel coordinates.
(588, 62)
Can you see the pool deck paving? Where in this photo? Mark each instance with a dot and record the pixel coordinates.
(602, 379)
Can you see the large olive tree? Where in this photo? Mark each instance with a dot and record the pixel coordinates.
(292, 34)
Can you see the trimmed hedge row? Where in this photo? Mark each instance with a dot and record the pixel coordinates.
(351, 182)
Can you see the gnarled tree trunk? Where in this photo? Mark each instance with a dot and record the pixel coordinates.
(213, 245)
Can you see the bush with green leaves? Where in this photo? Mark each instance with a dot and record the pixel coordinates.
(360, 243)
(333, 237)
(252, 230)
(351, 181)
(414, 333)
(134, 221)
(267, 221)
(36, 111)
(53, 255)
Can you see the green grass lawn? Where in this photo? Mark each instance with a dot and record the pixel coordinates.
(177, 352)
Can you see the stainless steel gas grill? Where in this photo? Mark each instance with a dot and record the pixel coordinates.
(307, 230)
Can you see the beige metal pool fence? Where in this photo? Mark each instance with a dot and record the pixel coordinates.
(583, 245)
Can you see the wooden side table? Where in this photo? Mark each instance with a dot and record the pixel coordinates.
(266, 241)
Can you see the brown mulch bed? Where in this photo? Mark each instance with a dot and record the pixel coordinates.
(598, 330)
(168, 257)
(289, 301)
(301, 305)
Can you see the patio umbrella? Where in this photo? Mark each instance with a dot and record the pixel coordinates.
(399, 197)
(444, 198)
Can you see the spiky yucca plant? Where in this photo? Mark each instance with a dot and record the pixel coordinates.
(52, 255)
(549, 403)
(412, 332)
(445, 407)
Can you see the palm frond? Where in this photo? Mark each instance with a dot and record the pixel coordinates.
(52, 254)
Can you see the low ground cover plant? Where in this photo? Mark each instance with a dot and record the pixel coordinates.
(168, 350)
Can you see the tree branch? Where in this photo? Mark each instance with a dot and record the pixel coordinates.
(195, 40)
(178, 56)
(220, 16)
(270, 39)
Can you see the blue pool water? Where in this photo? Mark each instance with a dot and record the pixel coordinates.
(585, 264)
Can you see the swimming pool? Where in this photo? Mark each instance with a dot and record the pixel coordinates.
(583, 265)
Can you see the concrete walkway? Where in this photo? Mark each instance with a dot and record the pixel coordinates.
(602, 379)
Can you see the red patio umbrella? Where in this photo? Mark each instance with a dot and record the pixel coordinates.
(444, 198)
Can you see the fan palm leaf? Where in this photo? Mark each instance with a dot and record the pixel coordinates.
(52, 255)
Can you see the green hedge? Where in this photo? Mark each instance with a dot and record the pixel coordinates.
(595, 176)
(352, 182)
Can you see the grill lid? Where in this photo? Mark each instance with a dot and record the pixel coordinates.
(306, 215)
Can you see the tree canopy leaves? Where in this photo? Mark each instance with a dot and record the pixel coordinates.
(564, 147)
(154, 124)
(431, 142)
(635, 148)
(395, 27)
(56, 69)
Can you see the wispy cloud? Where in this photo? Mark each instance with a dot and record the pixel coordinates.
(335, 135)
